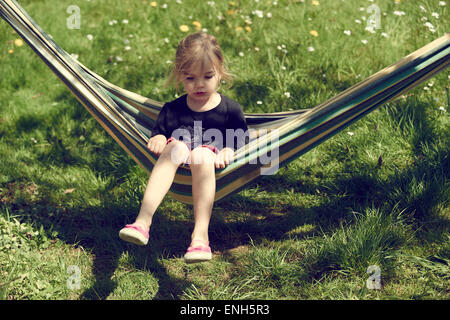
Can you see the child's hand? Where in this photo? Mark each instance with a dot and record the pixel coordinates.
(224, 158)
(157, 144)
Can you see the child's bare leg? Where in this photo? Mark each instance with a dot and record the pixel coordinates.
(161, 178)
(203, 190)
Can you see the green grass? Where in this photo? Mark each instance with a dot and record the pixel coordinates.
(375, 194)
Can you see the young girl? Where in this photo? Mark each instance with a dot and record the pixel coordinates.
(192, 129)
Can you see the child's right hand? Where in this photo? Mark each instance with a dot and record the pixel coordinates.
(157, 144)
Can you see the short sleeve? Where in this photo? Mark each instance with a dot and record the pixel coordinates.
(239, 135)
(160, 126)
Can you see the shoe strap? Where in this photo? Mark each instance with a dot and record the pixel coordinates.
(138, 228)
(199, 248)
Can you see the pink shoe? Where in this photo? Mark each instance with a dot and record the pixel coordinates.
(198, 253)
(134, 234)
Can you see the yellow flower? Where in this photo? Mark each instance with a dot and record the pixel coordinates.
(18, 42)
(10, 51)
(198, 25)
(153, 4)
(315, 3)
(184, 28)
(231, 3)
(248, 29)
(230, 12)
(238, 29)
(314, 33)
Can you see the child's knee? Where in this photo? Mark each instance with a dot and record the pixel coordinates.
(176, 151)
(202, 156)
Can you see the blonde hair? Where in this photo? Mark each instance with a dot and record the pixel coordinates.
(198, 48)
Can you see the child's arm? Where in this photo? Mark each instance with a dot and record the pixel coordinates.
(236, 121)
(224, 158)
(157, 143)
(158, 139)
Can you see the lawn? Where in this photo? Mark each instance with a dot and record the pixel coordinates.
(364, 215)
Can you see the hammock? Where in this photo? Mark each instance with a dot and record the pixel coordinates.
(277, 138)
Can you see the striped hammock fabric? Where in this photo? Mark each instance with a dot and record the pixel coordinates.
(276, 138)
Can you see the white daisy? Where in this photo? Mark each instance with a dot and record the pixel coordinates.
(430, 27)
(370, 29)
(399, 13)
(258, 13)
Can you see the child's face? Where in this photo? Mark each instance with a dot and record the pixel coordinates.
(201, 83)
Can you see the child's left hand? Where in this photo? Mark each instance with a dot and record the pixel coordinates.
(224, 158)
